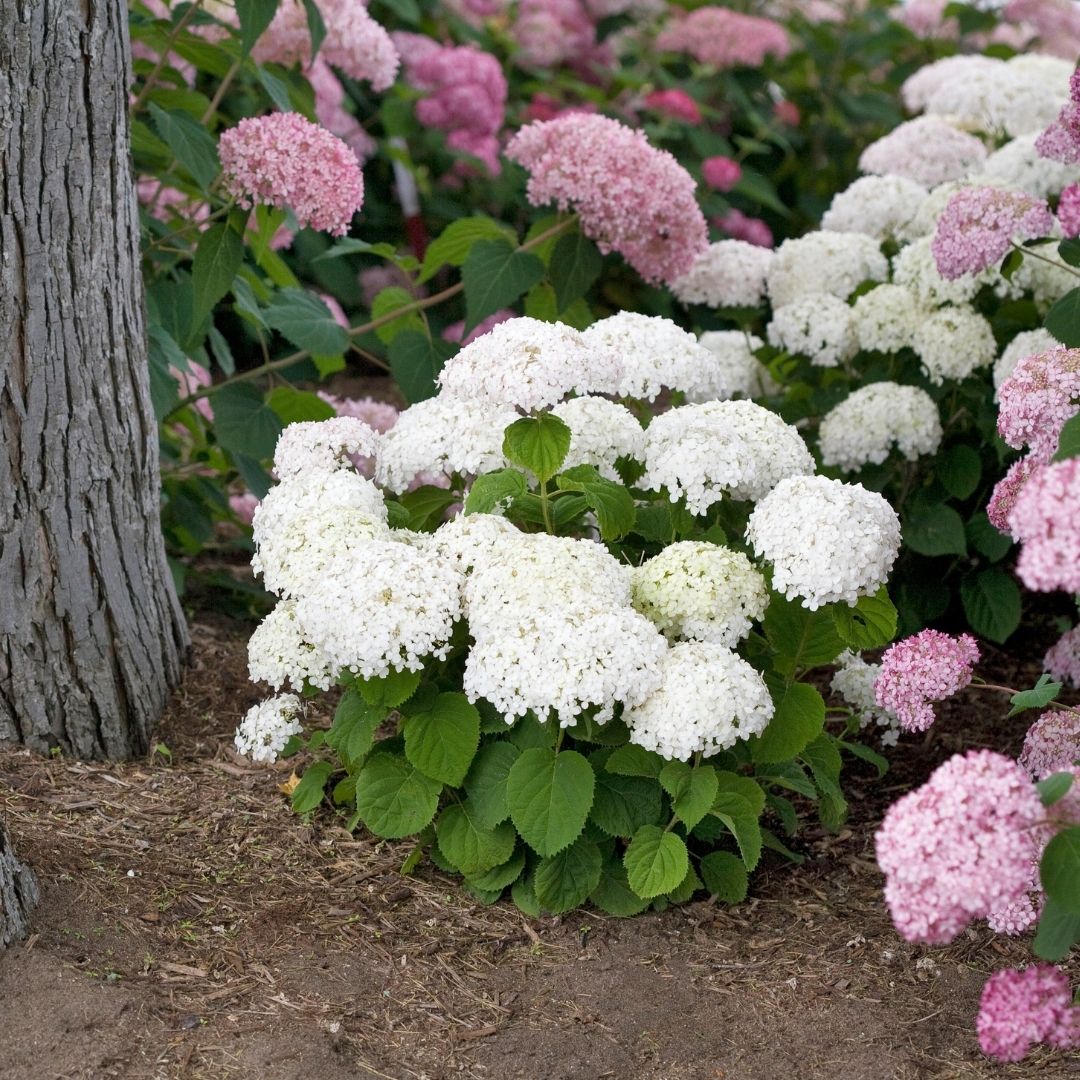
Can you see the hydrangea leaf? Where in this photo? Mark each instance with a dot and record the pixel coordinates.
(470, 846)
(550, 796)
(992, 603)
(870, 624)
(393, 797)
(494, 275)
(743, 823)
(656, 861)
(725, 876)
(624, 803)
(537, 443)
(692, 790)
(634, 760)
(575, 265)
(498, 877)
(564, 880)
(614, 895)
(486, 781)
(1059, 870)
(442, 739)
(799, 718)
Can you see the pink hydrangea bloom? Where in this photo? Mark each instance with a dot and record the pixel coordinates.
(676, 104)
(630, 197)
(1062, 659)
(243, 506)
(355, 43)
(330, 111)
(722, 173)
(1021, 1008)
(1068, 211)
(193, 380)
(455, 330)
(284, 160)
(787, 112)
(926, 18)
(1061, 140)
(1046, 519)
(751, 230)
(162, 202)
(1036, 400)
(545, 107)
(551, 33)
(930, 666)
(379, 415)
(959, 847)
(1052, 743)
(1056, 23)
(1006, 491)
(979, 226)
(723, 38)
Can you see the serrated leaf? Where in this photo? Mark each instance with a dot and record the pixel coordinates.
(801, 638)
(870, 624)
(493, 490)
(614, 895)
(254, 17)
(960, 469)
(564, 880)
(537, 443)
(1054, 787)
(725, 876)
(986, 539)
(686, 888)
(634, 760)
(306, 321)
(191, 144)
(295, 406)
(495, 275)
(427, 506)
(455, 242)
(992, 603)
(244, 423)
(394, 799)
(692, 790)
(470, 846)
(309, 792)
(550, 796)
(575, 264)
(391, 690)
(743, 823)
(498, 877)
(1059, 870)
(442, 741)
(524, 895)
(486, 782)
(415, 362)
(217, 259)
(1059, 930)
(936, 530)
(355, 723)
(1038, 697)
(386, 303)
(609, 500)
(655, 862)
(1063, 319)
(622, 804)
(799, 718)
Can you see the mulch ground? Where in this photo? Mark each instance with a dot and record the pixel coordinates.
(192, 926)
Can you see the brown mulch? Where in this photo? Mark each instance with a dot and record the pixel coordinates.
(192, 926)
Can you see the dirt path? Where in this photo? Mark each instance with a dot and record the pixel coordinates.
(191, 926)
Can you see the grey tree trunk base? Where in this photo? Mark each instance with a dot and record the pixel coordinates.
(18, 893)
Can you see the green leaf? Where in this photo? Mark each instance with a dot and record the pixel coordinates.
(493, 490)
(308, 793)
(960, 470)
(867, 754)
(985, 539)
(316, 26)
(575, 265)
(487, 779)
(656, 861)
(565, 880)
(294, 406)
(540, 303)
(386, 303)
(692, 790)
(801, 638)
(191, 144)
(1069, 442)
(936, 530)
(468, 844)
(799, 719)
(1011, 263)
(494, 275)
(686, 888)
(1054, 787)
(217, 259)
(415, 361)
(870, 624)
(725, 876)
(1059, 870)
(393, 797)
(306, 321)
(498, 877)
(164, 353)
(455, 242)
(550, 796)
(746, 787)
(614, 895)
(634, 760)
(742, 821)
(244, 423)
(538, 443)
(354, 727)
(992, 603)
(441, 741)
(391, 690)
(1038, 697)
(825, 763)
(254, 17)
(1059, 930)
(1062, 320)
(1069, 251)
(427, 505)
(611, 502)
(624, 803)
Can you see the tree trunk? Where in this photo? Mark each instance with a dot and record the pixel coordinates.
(91, 634)
(18, 893)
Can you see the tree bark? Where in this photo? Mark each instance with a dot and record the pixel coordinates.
(92, 637)
(18, 893)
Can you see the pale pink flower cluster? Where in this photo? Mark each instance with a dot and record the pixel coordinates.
(630, 197)
(750, 230)
(980, 224)
(1062, 659)
(960, 847)
(1021, 1008)
(1052, 743)
(927, 150)
(162, 202)
(1006, 491)
(1068, 211)
(930, 666)
(551, 33)
(723, 38)
(1046, 519)
(1061, 140)
(674, 104)
(1056, 23)
(455, 332)
(355, 43)
(1036, 400)
(466, 98)
(721, 173)
(284, 160)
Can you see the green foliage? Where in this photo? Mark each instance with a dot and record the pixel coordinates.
(549, 795)
(656, 861)
(538, 443)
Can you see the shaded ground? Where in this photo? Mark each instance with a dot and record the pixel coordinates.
(192, 926)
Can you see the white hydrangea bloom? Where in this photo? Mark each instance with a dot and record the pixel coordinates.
(1045, 281)
(468, 540)
(1054, 71)
(927, 150)
(824, 262)
(701, 591)
(386, 605)
(730, 273)
(530, 365)
(655, 354)
(278, 653)
(1019, 166)
(828, 542)
(1003, 100)
(709, 699)
(1023, 345)
(874, 419)
(885, 318)
(306, 521)
(322, 444)
(440, 436)
(818, 326)
(953, 343)
(267, 727)
(876, 206)
(854, 682)
(736, 370)
(920, 87)
(914, 266)
(737, 448)
(601, 431)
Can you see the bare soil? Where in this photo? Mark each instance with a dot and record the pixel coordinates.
(191, 926)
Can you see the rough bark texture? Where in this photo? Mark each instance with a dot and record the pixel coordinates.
(18, 893)
(91, 634)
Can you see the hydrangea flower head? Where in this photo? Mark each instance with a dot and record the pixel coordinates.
(1007, 490)
(854, 681)
(286, 161)
(927, 150)
(877, 206)
(1062, 659)
(1068, 211)
(1052, 743)
(730, 273)
(1021, 1008)
(953, 343)
(1038, 398)
(630, 197)
(601, 432)
(737, 372)
(721, 173)
(675, 104)
(723, 38)
(824, 262)
(959, 847)
(930, 666)
(267, 727)
(739, 226)
(818, 326)
(1046, 519)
